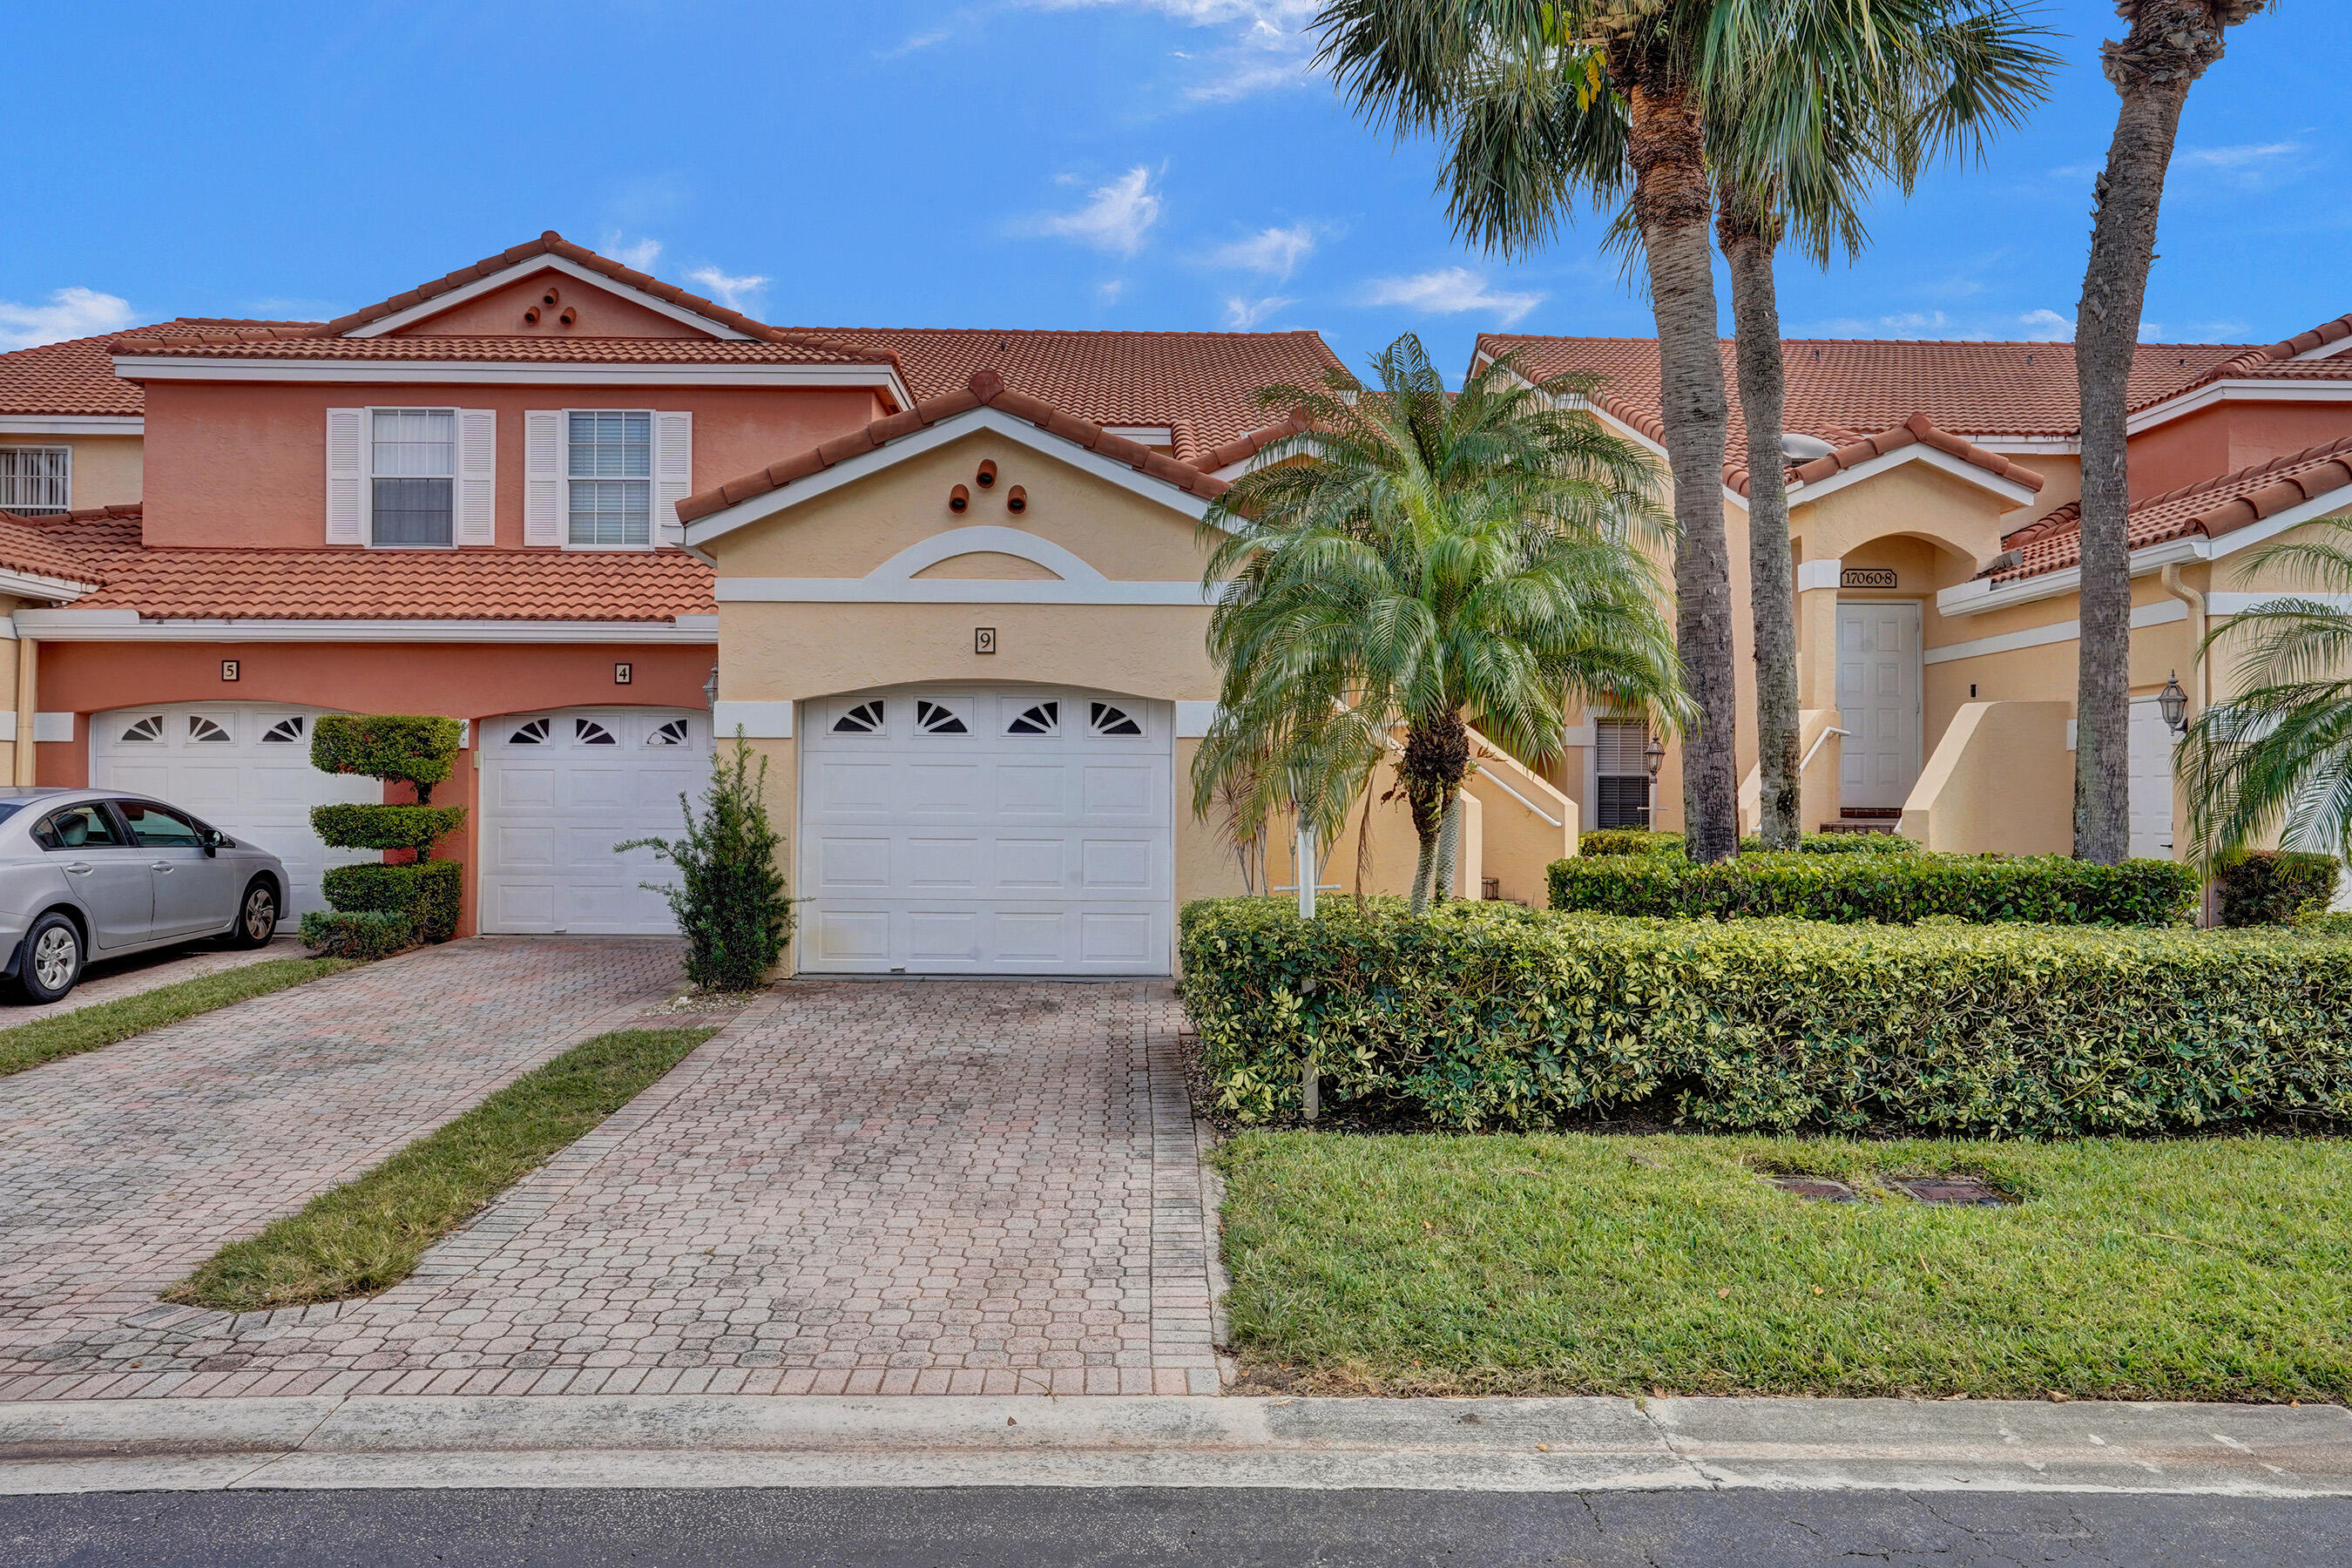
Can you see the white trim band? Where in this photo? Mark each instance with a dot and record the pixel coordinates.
(505, 372)
(545, 261)
(1194, 720)
(127, 625)
(979, 539)
(957, 591)
(1813, 575)
(73, 425)
(2163, 613)
(46, 726)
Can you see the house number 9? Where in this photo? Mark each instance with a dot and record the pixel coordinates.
(983, 639)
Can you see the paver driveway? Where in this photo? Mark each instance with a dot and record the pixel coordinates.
(883, 1187)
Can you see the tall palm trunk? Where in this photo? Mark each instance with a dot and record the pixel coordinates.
(2169, 46)
(1449, 848)
(1749, 236)
(1436, 756)
(1673, 206)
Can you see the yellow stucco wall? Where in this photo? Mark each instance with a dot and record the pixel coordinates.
(106, 469)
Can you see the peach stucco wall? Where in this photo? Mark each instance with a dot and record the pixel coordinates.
(500, 312)
(463, 680)
(232, 464)
(2227, 437)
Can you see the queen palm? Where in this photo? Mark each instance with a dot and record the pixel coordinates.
(1426, 561)
(2169, 44)
(1794, 108)
(2274, 762)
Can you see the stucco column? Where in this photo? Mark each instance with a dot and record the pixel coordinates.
(27, 704)
(1817, 598)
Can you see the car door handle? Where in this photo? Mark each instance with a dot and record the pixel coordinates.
(79, 868)
(159, 865)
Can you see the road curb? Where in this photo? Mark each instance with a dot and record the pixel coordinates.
(1489, 1444)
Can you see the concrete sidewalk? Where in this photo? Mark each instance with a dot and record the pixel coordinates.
(1490, 1445)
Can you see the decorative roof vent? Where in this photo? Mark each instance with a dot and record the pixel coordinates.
(959, 499)
(1016, 500)
(987, 475)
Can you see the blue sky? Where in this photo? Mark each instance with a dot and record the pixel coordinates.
(1130, 164)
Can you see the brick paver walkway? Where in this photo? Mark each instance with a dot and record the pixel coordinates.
(123, 1168)
(859, 1187)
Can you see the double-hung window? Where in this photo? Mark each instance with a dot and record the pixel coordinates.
(1621, 770)
(609, 474)
(35, 480)
(411, 475)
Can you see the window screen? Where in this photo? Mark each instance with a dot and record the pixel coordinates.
(35, 480)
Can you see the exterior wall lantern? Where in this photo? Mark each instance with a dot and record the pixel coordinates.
(2173, 703)
(711, 687)
(1652, 756)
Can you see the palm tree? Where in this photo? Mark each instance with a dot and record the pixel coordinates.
(1809, 104)
(1405, 63)
(1802, 104)
(2275, 761)
(2170, 45)
(1427, 562)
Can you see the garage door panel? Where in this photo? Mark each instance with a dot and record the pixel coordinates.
(853, 863)
(557, 805)
(1037, 841)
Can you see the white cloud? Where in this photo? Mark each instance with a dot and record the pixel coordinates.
(2151, 331)
(637, 255)
(1116, 218)
(72, 312)
(1266, 44)
(2047, 326)
(913, 42)
(1276, 252)
(2244, 156)
(1109, 290)
(735, 293)
(1243, 315)
(1449, 292)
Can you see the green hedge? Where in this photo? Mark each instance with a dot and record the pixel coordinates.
(1898, 889)
(1641, 841)
(1483, 1015)
(418, 748)
(2274, 887)
(358, 933)
(427, 894)
(386, 827)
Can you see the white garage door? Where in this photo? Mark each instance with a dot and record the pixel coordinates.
(1008, 831)
(243, 767)
(559, 790)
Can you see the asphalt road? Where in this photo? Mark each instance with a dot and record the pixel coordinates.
(1043, 1528)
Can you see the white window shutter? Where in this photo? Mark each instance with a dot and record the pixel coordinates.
(673, 473)
(347, 476)
(477, 475)
(542, 475)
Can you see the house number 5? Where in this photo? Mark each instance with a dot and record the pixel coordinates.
(983, 639)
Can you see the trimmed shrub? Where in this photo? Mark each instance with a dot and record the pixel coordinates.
(1895, 889)
(1484, 1015)
(418, 827)
(2273, 887)
(729, 897)
(427, 894)
(414, 902)
(416, 749)
(1641, 841)
(358, 933)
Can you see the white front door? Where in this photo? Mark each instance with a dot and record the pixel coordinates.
(244, 767)
(1878, 686)
(2151, 752)
(1006, 831)
(559, 791)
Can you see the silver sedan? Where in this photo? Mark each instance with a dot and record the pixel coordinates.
(88, 874)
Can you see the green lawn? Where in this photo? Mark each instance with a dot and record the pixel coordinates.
(2197, 1269)
(104, 1023)
(366, 1235)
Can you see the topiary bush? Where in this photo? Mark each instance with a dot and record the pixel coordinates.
(729, 897)
(2274, 887)
(380, 908)
(1482, 1015)
(1897, 889)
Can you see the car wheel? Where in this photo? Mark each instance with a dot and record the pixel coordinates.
(53, 957)
(257, 914)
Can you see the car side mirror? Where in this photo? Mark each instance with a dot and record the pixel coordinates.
(214, 840)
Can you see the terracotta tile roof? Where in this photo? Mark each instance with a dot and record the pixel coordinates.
(26, 547)
(985, 389)
(2212, 507)
(1842, 388)
(2276, 362)
(102, 546)
(639, 350)
(1202, 386)
(1913, 431)
(77, 376)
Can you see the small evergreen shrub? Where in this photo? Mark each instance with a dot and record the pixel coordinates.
(358, 933)
(1897, 889)
(1483, 1015)
(1642, 841)
(1627, 841)
(427, 893)
(730, 896)
(2274, 887)
(381, 909)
